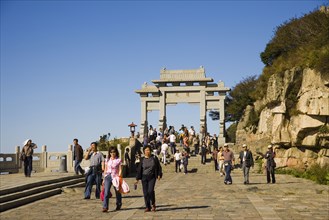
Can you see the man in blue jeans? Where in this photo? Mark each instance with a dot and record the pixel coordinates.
(28, 152)
(95, 173)
(77, 157)
(228, 164)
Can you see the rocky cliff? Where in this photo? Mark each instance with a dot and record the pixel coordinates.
(294, 116)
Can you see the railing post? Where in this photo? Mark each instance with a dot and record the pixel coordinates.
(43, 158)
(70, 158)
(18, 163)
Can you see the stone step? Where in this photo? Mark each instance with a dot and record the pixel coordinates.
(37, 184)
(24, 193)
(27, 200)
(28, 193)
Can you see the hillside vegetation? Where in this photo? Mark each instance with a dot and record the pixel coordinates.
(300, 42)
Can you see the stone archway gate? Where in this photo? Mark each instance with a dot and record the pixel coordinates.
(183, 86)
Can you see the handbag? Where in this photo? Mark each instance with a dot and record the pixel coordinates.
(123, 186)
(102, 193)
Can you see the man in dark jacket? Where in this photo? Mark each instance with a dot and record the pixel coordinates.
(77, 157)
(270, 164)
(246, 161)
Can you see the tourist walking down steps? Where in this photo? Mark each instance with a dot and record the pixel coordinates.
(77, 157)
(94, 175)
(178, 158)
(112, 170)
(148, 171)
(246, 161)
(228, 164)
(220, 161)
(270, 164)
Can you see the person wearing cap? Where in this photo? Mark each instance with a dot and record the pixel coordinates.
(28, 152)
(246, 161)
(270, 164)
(228, 164)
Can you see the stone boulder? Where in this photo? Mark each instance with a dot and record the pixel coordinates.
(313, 95)
(294, 130)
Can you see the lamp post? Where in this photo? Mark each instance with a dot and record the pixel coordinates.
(132, 128)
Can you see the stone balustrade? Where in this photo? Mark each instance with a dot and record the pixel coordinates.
(44, 161)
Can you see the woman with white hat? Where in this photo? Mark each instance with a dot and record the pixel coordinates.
(28, 152)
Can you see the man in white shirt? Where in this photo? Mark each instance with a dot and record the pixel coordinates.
(191, 134)
(164, 148)
(178, 157)
(192, 131)
(172, 140)
(150, 133)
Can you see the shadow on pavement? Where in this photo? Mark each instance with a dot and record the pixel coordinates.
(178, 208)
(129, 197)
(193, 170)
(142, 207)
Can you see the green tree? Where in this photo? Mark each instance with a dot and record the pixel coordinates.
(103, 143)
(240, 97)
(299, 42)
(237, 100)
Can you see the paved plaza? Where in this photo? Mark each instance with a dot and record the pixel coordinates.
(191, 196)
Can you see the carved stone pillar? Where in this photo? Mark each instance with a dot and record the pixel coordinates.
(203, 116)
(144, 124)
(162, 112)
(221, 135)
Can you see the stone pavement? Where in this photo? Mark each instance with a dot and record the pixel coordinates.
(193, 196)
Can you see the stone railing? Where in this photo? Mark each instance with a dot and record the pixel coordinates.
(44, 161)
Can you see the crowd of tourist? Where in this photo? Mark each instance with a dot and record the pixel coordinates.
(164, 143)
(106, 172)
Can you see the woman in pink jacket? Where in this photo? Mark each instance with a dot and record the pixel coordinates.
(112, 170)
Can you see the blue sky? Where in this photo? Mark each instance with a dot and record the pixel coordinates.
(69, 68)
